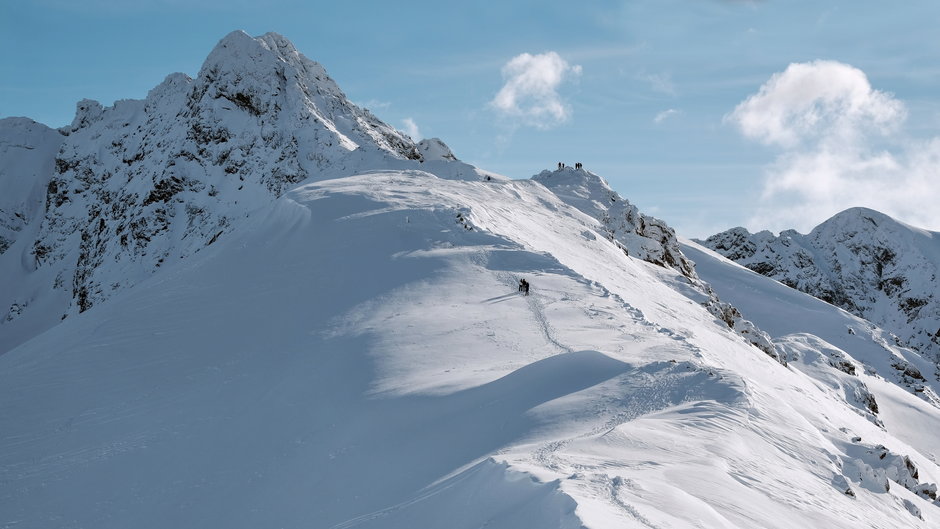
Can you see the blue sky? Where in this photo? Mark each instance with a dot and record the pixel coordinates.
(652, 95)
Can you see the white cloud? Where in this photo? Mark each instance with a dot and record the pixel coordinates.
(819, 100)
(411, 129)
(664, 115)
(841, 146)
(530, 92)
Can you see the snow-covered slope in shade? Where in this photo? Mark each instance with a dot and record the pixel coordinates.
(27, 159)
(144, 183)
(27, 162)
(860, 260)
(358, 356)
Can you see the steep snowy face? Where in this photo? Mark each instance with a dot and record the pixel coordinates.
(638, 235)
(27, 152)
(359, 356)
(860, 260)
(145, 183)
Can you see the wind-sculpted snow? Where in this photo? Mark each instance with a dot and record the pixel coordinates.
(854, 360)
(361, 358)
(644, 237)
(860, 260)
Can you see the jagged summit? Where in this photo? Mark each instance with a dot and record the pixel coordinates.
(267, 74)
(861, 260)
(874, 222)
(265, 77)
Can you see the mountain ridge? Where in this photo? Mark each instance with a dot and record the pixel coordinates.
(860, 260)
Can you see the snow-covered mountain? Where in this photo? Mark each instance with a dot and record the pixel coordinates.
(315, 322)
(132, 187)
(860, 260)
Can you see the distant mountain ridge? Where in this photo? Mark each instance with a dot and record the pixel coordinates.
(860, 260)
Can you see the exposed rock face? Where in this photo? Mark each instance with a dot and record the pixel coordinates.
(146, 182)
(639, 235)
(860, 260)
(875, 467)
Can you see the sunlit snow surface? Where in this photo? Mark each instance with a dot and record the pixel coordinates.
(359, 356)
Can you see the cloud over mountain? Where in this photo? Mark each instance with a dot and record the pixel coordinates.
(841, 145)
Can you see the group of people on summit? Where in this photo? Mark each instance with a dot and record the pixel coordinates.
(577, 165)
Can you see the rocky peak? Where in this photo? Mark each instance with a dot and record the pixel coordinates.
(860, 260)
(433, 149)
(143, 183)
(639, 235)
(267, 76)
(87, 111)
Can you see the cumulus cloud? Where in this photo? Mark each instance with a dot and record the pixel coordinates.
(840, 146)
(530, 91)
(820, 100)
(411, 128)
(664, 115)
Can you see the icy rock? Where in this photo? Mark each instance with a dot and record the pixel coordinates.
(734, 320)
(434, 149)
(87, 112)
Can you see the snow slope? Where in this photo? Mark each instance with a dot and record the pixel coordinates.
(314, 322)
(823, 341)
(860, 260)
(360, 358)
